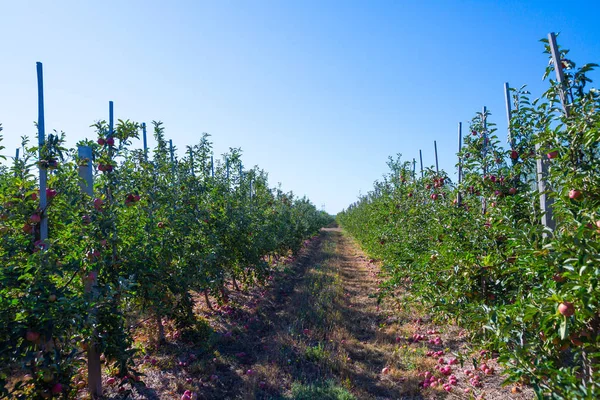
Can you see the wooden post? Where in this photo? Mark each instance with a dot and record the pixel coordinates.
(414, 168)
(144, 137)
(212, 166)
(41, 143)
(227, 167)
(437, 170)
(421, 158)
(459, 196)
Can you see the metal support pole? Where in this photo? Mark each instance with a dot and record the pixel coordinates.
(437, 170)
(111, 119)
(507, 101)
(560, 76)
(86, 182)
(459, 197)
(144, 137)
(41, 143)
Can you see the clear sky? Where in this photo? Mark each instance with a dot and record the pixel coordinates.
(317, 93)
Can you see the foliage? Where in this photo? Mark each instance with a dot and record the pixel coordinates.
(156, 229)
(477, 252)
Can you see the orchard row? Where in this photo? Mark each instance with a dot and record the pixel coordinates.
(479, 252)
(136, 243)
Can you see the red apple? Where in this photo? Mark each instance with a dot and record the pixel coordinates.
(566, 308)
(434, 196)
(34, 196)
(50, 193)
(57, 388)
(32, 336)
(35, 219)
(575, 194)
(101, 142)
(514, 155)
(98, 203)
(512, 190)
(110, 141)
(552, 154)
(558, 278)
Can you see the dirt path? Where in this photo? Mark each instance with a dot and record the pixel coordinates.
(317, 332)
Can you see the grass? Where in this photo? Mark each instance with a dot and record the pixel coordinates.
(326, 390)
(316, 353)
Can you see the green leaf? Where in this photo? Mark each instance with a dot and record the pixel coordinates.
(563, 330)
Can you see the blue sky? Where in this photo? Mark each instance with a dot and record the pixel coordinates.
(317, 93)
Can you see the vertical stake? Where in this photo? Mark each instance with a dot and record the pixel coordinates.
(86, 182)
(421, 158)
(111, 119)
(145, 138)
(191, 160)
(172, 156)
(212, 166)
(85, 171)
(484, 151)
(41, 143)
(437, 170)
(459, 198)
(414, 163)
(560, 76)
(16, 161)
(507, 101)
(541, 162)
